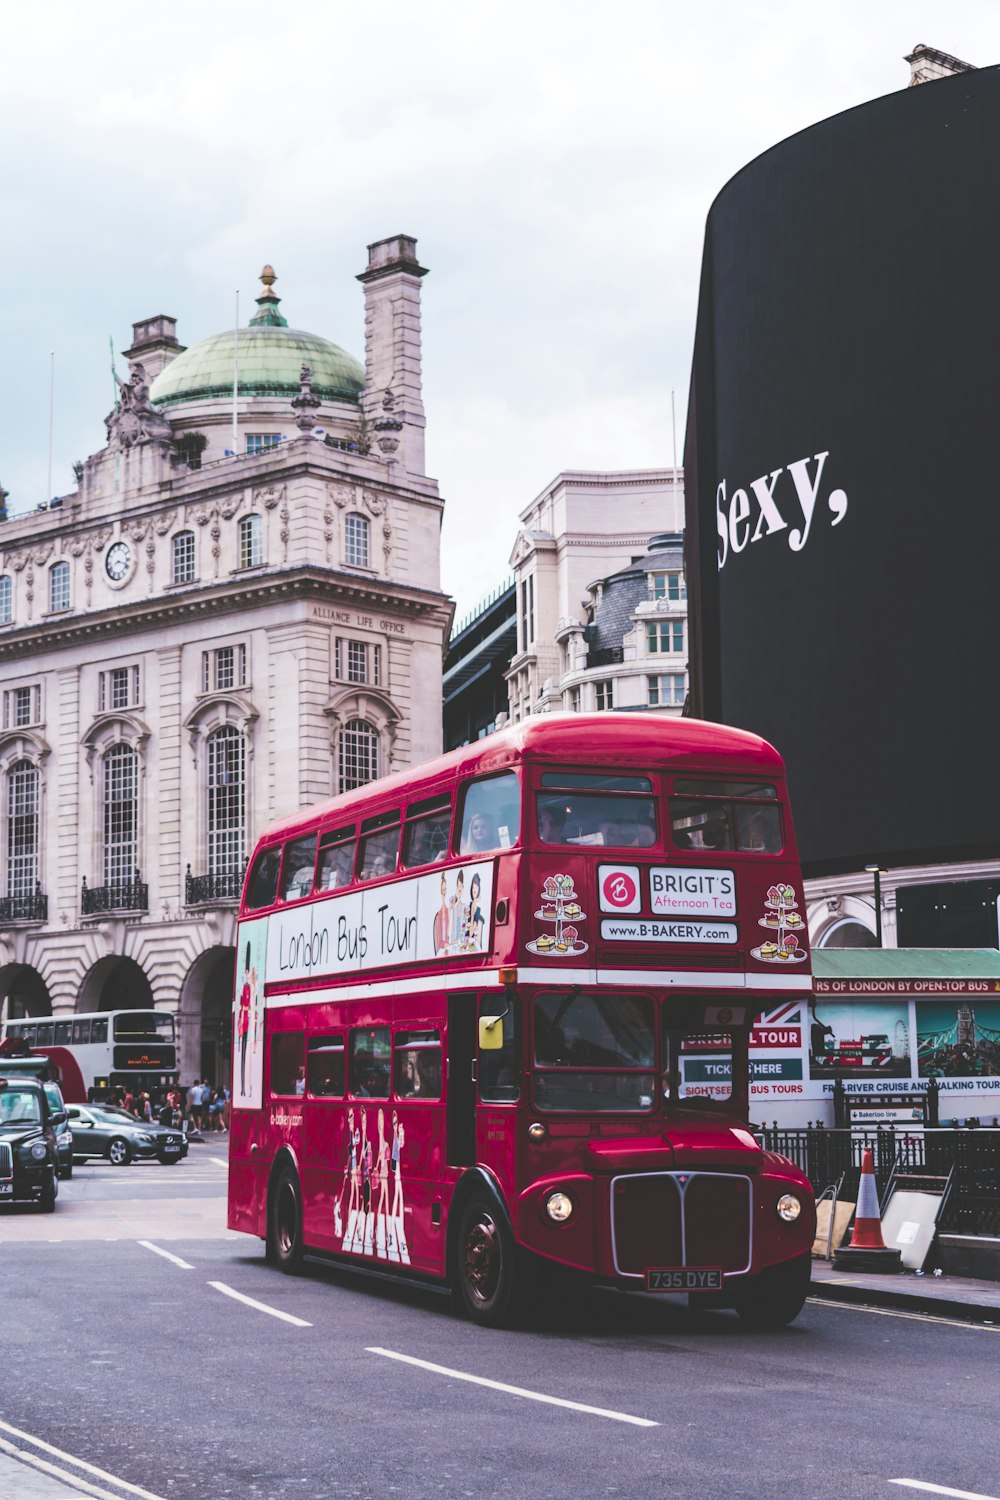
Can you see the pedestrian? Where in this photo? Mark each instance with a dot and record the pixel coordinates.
(216, 1109)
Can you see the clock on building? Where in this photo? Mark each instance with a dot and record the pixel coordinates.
(118, 561)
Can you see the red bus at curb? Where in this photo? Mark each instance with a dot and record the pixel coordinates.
(468, 1002)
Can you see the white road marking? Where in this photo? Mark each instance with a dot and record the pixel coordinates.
(220, 1286)
(218, 1161)
(898, 1312)
(941, 1489)
(148, 1245)
(514, 1390)
(75, 1479)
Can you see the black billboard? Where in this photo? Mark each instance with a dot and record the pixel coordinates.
(843, 473)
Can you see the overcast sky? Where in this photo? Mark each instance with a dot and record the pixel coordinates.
(555, 160)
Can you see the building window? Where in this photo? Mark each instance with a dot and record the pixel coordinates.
(251, 542)
(223, 669)
(22, 706)
(665, 690)
(22, 829)
(527, 611)
(358, 759)
(182, 558)
(358, 661)
(190, 447)
(118, 688)
(259, 442)
(573, 700)
(605, 692)
(226, 801)
(121, 814)
(59, 587)
(6, 599)
(665, 636)
(356, 538)
(668, 586)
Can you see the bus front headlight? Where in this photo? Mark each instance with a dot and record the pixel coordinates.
(559, 1206)
(788, 1207)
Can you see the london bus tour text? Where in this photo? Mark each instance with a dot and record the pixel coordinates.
(464, 999)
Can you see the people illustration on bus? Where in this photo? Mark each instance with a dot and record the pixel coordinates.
(382, 1180)
(397, 1238)
(243, 1019)
(442, 921)
(474, 921)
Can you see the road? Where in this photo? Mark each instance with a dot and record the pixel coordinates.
(129, 1344)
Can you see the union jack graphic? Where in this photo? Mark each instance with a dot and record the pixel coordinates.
(789, 1014)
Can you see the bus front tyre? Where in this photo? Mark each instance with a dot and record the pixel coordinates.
(284, 1230)
(490, 1276)
(119, 1152)
(777, 1296)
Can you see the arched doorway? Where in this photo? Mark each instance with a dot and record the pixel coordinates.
(207, 1017)
(847, 933)
(115, 983)
(23, 992)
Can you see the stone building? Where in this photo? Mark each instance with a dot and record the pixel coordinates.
(237, 612)
(601, 622)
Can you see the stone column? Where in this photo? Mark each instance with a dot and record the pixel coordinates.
(392, 401)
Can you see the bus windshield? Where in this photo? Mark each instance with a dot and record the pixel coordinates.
(594, 1052)
(144, 1026)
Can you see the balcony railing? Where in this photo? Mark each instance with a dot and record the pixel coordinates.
(605, 656)
(219, 886)
(124, 895)
(33, 908)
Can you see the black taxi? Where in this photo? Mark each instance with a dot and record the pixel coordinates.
(29, 1163)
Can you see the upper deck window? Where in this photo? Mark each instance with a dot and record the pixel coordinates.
(297, 870)
(726, 815)
(379, 846)
(491, 814)
(336, 858)
(263, 885)
(428, 824)
(617, 818)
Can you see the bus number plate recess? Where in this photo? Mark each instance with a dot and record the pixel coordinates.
(684, 1279)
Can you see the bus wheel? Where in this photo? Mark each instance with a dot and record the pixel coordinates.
(489, 1278)
(119, 1152)
(777, 1295)
(284, 1229)
(50, 1192)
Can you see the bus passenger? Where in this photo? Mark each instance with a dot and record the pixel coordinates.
(480, 835)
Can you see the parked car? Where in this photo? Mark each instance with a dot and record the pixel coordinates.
(29, 1164)
(64, 1135)
(105, 1130)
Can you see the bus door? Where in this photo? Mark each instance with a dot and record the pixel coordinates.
(461, 1144)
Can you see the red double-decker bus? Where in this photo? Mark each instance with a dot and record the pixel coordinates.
(493, 1014)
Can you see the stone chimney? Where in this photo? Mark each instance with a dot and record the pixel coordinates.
(392, 402)
(926, 65)
(154, 344)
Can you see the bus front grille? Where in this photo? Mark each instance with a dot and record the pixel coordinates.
(680, 1219)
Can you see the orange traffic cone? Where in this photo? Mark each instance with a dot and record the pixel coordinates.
(867, 1251)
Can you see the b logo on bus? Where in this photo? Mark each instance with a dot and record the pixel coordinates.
(619, 888)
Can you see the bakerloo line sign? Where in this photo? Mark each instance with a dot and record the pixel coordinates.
(774, 506)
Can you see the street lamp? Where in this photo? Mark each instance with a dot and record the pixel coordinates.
(876, 872)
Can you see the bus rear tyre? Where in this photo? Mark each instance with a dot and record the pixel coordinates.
(119, 1152)
(284, 1230)
(776, 1297)
(491, 1277)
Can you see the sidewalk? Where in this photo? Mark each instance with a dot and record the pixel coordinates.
(947, 1296)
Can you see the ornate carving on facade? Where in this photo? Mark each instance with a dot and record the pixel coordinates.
(329, 520)
(305, 404)
(165, 522)
(135, 419)
(387, 427)
(204, 514)
(387, 541)
(214, 713)
(228, 508)
(136, 529)
(341, 494)
(375, 503)
(270, 496)
(115, 729)
(284, 532)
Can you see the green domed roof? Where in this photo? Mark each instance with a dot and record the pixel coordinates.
(271, 356)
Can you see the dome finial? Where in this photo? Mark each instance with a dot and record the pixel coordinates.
(268, 316)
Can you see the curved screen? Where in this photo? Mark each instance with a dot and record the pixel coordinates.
(843, 473)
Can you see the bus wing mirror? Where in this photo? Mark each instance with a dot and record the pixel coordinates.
(490, 1033)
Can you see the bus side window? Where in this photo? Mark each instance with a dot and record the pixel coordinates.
(263, 886)
(416, 1065)
(44, 1035)
(287, 1062)
(336, 859)
(491, 814)
(62, 1033)
(499, 1068)
(297, 868)
(758, 829)
(81, 1033)
(98, 1030)
(428, 824)
(379, 852)
(370, 1062)
(325, 1067)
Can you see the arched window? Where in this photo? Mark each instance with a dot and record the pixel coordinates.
(358, 758)
(251, 542)
(120, 814)
(356, 535)
(182, 558)
(22, 830)
(226, 821)
(59, 586)
(6, 599)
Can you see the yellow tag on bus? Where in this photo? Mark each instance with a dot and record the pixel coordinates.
(490, 1033)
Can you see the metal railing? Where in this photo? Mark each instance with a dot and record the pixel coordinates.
(33, 908)
(217, 886)
(974, 1154)
(124, 895)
